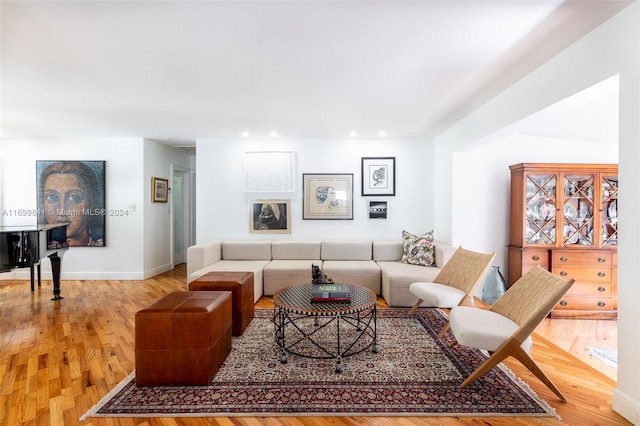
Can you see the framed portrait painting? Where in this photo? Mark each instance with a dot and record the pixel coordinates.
(378, 176)
(327, 196)
(73, 192)
(159, 190)
(269, 217)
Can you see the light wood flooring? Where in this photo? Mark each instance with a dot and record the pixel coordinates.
(57, 359)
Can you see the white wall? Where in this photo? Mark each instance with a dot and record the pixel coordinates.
(611, 49)
(158, 159)
(122, 256)
(223, 207)
(481, 183)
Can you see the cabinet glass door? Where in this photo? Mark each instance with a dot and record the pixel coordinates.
(609, 210)
(578, 208)
(540, 209)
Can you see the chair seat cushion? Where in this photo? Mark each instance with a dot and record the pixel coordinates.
(437, 295)
(482, 329)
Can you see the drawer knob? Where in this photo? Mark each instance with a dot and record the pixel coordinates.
(601, 289)
(563, 303)
(601, 274)
(601, 304)
(563, 259)
(535, 257)
(602, 259)
(563, 273)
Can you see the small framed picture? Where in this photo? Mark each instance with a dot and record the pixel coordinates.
(378, 176)
(269, 217)
(327, 196)
(159, 190)
(377, 209)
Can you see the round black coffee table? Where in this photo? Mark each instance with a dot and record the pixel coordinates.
(324, 330)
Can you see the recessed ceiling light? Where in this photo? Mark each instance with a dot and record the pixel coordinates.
(382, 133)
(274, 134)
(245, 134)
(353, 134)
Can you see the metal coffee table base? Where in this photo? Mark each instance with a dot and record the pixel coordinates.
(325, 336)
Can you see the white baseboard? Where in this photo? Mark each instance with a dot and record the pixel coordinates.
(626, 406)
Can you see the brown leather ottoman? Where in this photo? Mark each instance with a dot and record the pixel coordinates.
(183, 338)
(241, 286)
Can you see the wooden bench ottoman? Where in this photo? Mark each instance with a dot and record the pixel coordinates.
(183, 338)
(241, 286)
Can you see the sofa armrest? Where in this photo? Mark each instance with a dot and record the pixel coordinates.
(202, 255)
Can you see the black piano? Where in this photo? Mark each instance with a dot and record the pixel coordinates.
(25, 246)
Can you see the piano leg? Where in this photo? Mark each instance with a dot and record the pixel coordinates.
(55, 271)
(39, 274)
(31, 271)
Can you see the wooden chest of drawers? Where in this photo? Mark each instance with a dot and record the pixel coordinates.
(593, 295)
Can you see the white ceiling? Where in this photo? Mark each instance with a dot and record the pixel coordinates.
(179, 70)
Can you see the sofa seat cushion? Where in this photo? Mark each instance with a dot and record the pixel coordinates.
(255, 266)
(365, 273)
(396, 277)
(437, 295)
(279, 274)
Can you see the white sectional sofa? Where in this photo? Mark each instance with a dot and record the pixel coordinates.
(282, 263)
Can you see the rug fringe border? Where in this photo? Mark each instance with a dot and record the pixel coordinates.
(92, 412)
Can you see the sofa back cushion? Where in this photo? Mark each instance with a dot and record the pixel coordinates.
(387, 251)
(246, 250)
(346, 250)
(295, 250)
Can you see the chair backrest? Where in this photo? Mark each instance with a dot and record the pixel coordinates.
(465, 270)
(530, 299)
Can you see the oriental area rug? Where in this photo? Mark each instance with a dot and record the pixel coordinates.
(413, 373)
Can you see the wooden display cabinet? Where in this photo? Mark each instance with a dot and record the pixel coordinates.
(564, 217)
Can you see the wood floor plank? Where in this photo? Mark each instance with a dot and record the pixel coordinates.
(57, 359)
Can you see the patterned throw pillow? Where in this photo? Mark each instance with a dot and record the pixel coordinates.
(418, 250)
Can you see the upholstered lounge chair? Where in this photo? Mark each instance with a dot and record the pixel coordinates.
(505, 328)
(457, 280)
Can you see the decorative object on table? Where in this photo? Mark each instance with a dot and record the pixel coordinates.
(330, 293)
(377, 210)
(159, 190)
(73, 192)
(319, 277)
(327, 196)
(251, 383)
(378, 176)
(270, 217)
(269, 171)
(494, 285)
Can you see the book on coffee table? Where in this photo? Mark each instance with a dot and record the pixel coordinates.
(331, 293)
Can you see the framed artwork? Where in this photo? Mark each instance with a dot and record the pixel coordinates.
(269, 171)
(73, 192)
(377, 209)
(378, 176)
(159, 190)
(327, 196)
(270, 217)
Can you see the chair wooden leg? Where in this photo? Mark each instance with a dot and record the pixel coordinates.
(415, 307)
(528, 362)
(512, 347)
(446, 327)
(506, 349)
